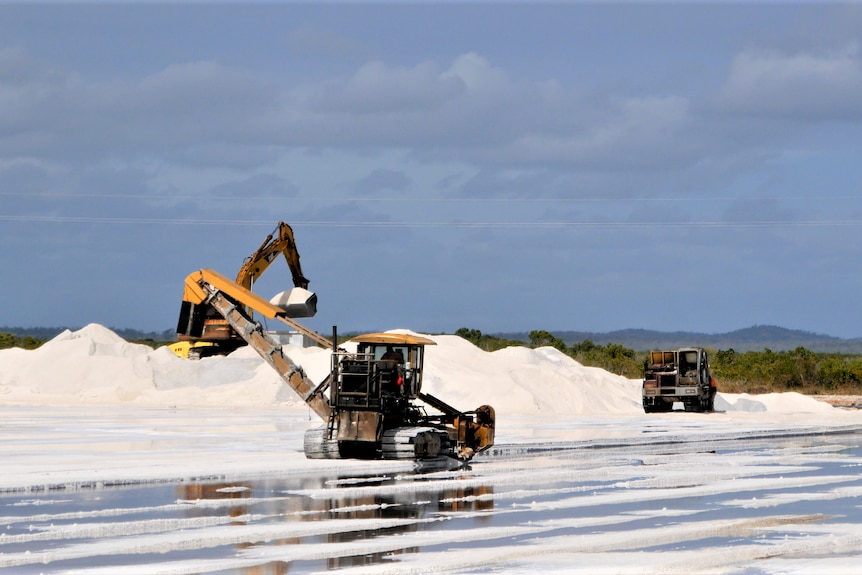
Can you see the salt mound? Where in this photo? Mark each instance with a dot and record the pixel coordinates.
(788, 402)
(92, 364)
(95, 366)
(519, 380)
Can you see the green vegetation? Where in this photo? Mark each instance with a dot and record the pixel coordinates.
(799, 370)
(612, 357)
(8, 340)
(486, 342)
(26, 342)
(766, 371)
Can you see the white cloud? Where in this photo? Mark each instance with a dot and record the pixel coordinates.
(31, 92)
(632, 132)
(812, 84)
(379, 88)
(477, 74)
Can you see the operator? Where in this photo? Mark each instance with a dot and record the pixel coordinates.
(393, 354)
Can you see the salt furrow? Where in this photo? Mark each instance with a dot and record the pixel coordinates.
(118, 529)
(588, 553)
(297, 552)
(181, 505)
(668, 494)
(195, 539)
(584, 553)
(776, 499)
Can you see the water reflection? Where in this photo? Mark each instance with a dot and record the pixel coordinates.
(411, 497)
(202, 492)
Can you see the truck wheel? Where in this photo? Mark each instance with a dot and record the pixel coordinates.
(658, 407)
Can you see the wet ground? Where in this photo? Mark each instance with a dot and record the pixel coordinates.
(661, 497)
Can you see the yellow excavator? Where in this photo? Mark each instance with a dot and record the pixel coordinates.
(217, 337)
(279, 242)
(369, 403)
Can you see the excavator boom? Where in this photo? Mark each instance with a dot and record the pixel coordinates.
(280, 241)
(201, 284)
(207, 287)
(216, 336)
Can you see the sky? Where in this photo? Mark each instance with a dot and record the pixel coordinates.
(498, 166)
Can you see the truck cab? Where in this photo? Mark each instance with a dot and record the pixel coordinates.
(678, 376)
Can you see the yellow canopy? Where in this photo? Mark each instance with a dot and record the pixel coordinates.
(393, 339)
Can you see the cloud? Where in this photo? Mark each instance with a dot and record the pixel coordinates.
(382, 180)
(32, 97)
(57, 114)
(380, 89)
(478, 75)
(630, 133)
(203, 116)
(435, 111)
(204, 113)
(821, 85)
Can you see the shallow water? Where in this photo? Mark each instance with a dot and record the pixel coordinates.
(632, 507)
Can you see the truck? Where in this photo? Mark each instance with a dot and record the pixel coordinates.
(371, 404)
(681, 376)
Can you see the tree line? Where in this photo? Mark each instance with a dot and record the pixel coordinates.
(799, 370)
(611, 357)
(766, 371)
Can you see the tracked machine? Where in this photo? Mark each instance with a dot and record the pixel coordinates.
(371, 404)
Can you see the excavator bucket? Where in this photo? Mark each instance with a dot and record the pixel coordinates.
(475, 434)
(296, 302)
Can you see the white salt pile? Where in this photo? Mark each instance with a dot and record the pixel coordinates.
(94, 366)
(524, 381)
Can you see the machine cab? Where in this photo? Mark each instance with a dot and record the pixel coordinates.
(693, 366)
(385, 367)
(397, 357)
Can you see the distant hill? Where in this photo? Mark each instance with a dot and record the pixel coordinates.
(755, 338)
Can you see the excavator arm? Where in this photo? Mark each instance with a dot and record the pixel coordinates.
(209, 288)
(280, 241)
(215, 331)
(474, 430)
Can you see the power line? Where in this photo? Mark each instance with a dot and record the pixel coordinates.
(425, 199)
(442, 224)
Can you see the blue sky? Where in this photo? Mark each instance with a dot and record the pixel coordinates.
(503, 167)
